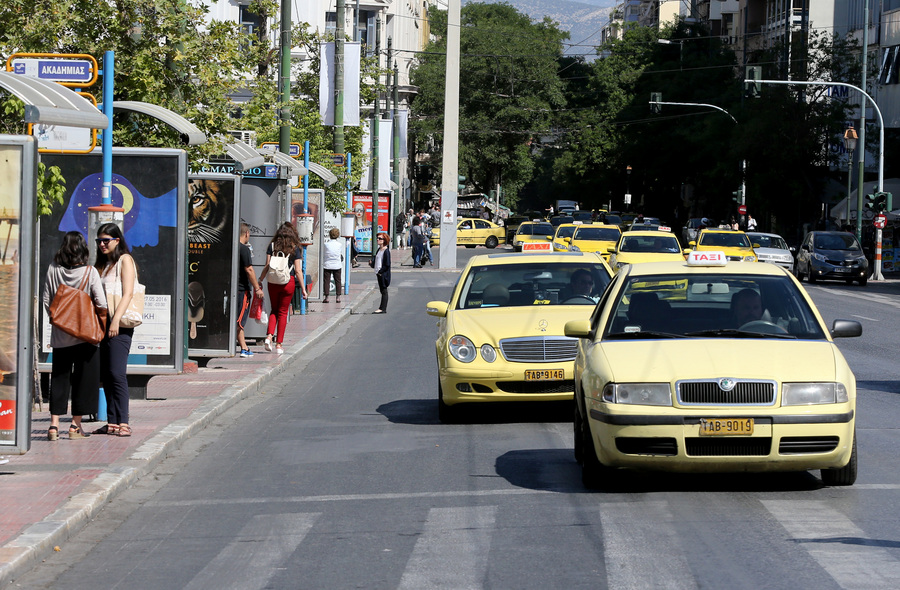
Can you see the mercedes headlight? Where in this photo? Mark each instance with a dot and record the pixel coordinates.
(807, 394)
(462, 349)
(488, 353)
(574, 248)
(750, 258)
(641, 394)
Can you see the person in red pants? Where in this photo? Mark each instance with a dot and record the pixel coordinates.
(283, 251)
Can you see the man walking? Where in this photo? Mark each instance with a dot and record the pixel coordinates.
(246, 278)
(751, 223)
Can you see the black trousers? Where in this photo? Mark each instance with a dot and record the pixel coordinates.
(384, 293)
(75, 372)
(114, 362)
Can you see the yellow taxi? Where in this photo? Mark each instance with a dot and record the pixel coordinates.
(734, 243)
(712, 383)
(474, 232)
(644, 246)
(563, 236)
(596, 237)
(500, 336)
(534, 236)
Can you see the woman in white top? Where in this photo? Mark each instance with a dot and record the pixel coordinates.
(76, 363)
(332, 263)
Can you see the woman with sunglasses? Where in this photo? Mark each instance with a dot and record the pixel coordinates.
(118, 273)
(381, 262)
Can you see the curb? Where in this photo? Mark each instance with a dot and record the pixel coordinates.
(23, 553)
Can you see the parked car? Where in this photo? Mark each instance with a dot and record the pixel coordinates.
(772, 248)
(833, 255)
(473, 232)
(737, 373)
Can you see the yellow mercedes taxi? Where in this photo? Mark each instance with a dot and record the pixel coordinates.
(500, 337)
(712, 383)
(474, 232)
(534, 235)
(595, 237)
(563, 236)
(645, 246)
(734, 243)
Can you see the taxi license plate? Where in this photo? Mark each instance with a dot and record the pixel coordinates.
(726, 426)
(545, 375)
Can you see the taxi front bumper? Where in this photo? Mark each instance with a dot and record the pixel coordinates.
(780, 442)
(470, 384)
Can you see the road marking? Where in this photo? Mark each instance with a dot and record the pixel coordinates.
(364, 497)
(631, 532)
(249, 560)
(453, 550)
(843, 550)
(866, 318)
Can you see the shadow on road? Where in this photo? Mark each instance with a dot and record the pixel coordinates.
(425, 411)
(886, 386)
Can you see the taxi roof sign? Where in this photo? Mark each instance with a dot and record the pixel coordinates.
(707, 258)
(664, 228)
(536, 246)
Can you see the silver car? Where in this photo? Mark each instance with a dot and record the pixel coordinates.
(772, 248)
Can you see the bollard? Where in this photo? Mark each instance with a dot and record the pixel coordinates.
(101, 407)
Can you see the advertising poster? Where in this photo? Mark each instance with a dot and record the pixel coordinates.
(888, 259)
(10, 191)
(151, 186)
(314, 250)
(362, 209)
(212, 235)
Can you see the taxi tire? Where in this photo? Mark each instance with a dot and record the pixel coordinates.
(446, 414)
(579, 442)
(470, 245)
(594, 475)
(491, 242)
(842, 476)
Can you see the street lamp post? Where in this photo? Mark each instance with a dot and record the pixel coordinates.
(850, 138)
(628, 186)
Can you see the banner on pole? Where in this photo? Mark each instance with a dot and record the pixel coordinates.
(351, 83)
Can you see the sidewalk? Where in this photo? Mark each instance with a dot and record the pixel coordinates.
(50, 492)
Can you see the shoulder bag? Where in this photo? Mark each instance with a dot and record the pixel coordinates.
(134, 315)
(73, 312)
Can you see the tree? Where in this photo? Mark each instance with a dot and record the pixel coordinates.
(509, 90)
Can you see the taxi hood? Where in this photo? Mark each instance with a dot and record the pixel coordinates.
(673, 359)
(491, 324)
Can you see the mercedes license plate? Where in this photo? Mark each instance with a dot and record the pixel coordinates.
(545, 375)
(726, 426)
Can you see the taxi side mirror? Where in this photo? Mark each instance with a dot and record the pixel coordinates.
(611, 250)
(692, 244)
(578, 329)
(686, 251)
(437, 308)
(846, 329)
(567, 240)
(756, 245)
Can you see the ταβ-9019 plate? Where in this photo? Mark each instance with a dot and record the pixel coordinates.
(726, 426)
(545, 375)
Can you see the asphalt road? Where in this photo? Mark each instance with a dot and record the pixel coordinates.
(339, 475)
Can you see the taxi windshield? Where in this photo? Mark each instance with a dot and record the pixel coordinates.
(565, 231)
(536, 229)
(711, 306)
(666, 244)
(724, 240)
(538, 283)
(602, 234)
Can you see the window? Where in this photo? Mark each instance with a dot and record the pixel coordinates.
(890, 66)
(330, 23)
(250, 21)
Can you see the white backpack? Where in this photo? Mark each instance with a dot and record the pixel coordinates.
(279, 269)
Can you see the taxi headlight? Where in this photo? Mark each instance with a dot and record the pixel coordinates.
(750, 258)
(806, 394)
(462, 349)
(574, 248)
(641, 394)
(488, 353)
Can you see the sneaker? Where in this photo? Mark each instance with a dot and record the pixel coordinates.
(245, 354)
(278, 349)
(268, 345)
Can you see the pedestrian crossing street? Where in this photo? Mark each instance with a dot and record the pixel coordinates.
(646, 543)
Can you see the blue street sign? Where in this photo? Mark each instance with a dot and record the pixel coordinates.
(55, 70)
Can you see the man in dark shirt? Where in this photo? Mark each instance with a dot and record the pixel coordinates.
(246, 279)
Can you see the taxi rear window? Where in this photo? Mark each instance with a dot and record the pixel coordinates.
(538, 283)
(715, 305)
(603, 234)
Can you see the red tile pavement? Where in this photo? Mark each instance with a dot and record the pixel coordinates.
(50, 491)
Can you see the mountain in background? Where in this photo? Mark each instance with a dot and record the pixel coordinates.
(583, 20)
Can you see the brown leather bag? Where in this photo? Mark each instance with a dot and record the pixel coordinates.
(73, 311)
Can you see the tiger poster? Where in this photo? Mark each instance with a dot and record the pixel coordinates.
(212, 232)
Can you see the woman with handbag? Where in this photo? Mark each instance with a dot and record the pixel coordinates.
(282, 255)
(119, 275)
(76, 363)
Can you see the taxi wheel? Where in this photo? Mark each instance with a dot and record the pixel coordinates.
(446, 414)
(491, 242)
(470, 245)
(842, 476)
(579, 442)
(593, 473)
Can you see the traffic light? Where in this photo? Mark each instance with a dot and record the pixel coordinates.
(877, 202)
(655, 99)
(462, 183)
(737, 196)
(752, 89)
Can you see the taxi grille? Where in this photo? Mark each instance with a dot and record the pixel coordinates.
(735, 258)
(567, 386)
(745, 393)
(540, 349)
(728, 447)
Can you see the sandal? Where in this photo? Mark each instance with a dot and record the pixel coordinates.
(124, 430)
(76, 433)
(53, 433)
(338, 299)
(108, 429)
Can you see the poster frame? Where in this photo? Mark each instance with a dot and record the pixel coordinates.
(232, 302)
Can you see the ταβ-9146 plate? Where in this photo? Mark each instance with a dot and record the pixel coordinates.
(545, 375)
(726, 426)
